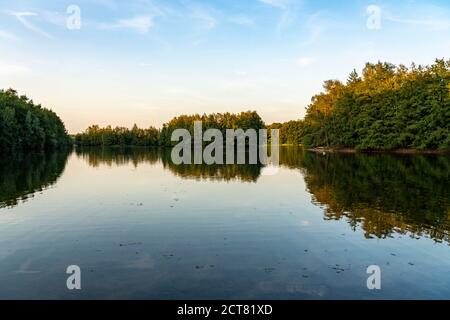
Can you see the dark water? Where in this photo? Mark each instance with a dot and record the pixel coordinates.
(141, 227)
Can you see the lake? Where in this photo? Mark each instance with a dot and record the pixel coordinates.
(140, 227)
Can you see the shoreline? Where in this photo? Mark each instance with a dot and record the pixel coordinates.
(393, 151)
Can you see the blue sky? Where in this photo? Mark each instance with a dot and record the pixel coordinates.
(146, 61)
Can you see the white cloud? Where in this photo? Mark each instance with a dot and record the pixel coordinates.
(289, 10)
(54, 18)
(315, 26)
(22, 17)
(145, 64)
(141, 24)
(305, 61)
(110, 4)
(424, 14)
(206, 20)
(7, 35)
(435, 24)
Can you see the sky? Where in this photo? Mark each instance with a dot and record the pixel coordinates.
(146, 61)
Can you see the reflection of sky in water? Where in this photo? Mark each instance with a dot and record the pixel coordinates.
(143, 232)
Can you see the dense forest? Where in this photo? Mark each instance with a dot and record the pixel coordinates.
(385, 108)
(222, 121)
(26, 126)
(96, 136)
(291, 132)
(118, 136)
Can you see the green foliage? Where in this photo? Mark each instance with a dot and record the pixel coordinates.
(119, 136)
(96, 136)
(26, 126)
(222, 121)
(291, 132)
(387, 108)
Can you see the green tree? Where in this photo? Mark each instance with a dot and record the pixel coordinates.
(26, 126)
(387, 108)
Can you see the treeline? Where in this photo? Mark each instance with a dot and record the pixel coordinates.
(291, 132)
(222, 121)
(26, 126)
(385, 108)
(119, 136)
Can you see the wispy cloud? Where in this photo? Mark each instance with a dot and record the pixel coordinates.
(140, 24)
(110, 4)
(7, 35)
(8, 69)
(23, 18)
(145, 64)
(55, 18)
(275, 3)
(315, 27)
(425, 15)
(431, 23)
(242, 20)
(288, 10)
(206, 19)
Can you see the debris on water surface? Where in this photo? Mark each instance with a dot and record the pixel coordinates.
(338, 268)
(130, 244)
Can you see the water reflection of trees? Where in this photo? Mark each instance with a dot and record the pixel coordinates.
(118, 156)
(383, 194)
(121, 156)
(23, 174)
(230, 172)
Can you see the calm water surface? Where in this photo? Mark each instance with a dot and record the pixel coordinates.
(141, 227)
